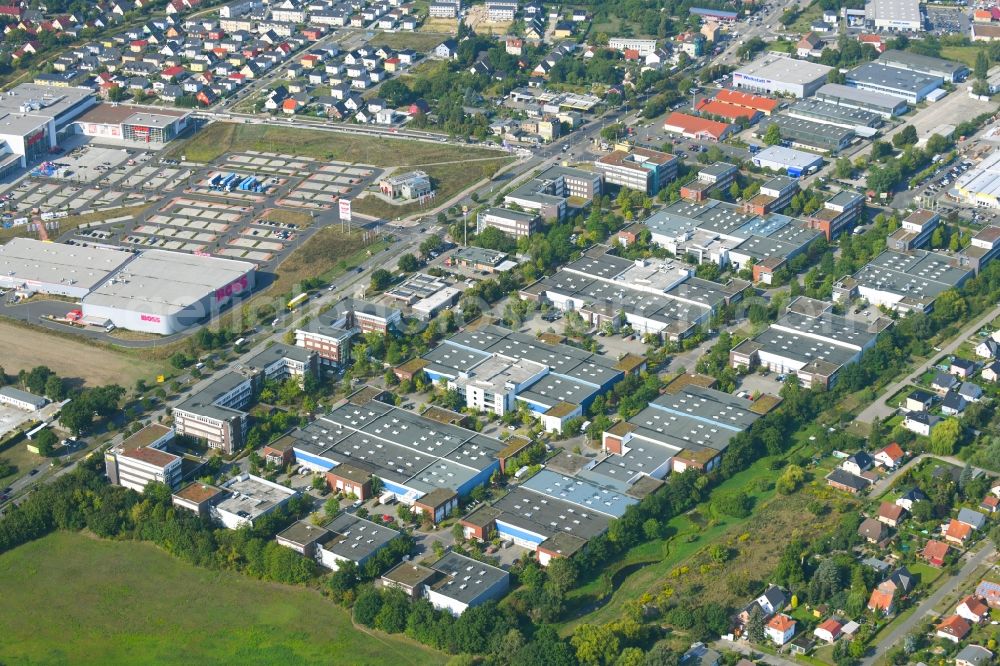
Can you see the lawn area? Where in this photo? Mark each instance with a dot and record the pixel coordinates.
(802, 24)
(221, 137)
(327, 254)
(67, 356)
(17, 454)
(448, 179)
(418, 41)
(84, 600)
(299, 218)
(963, 54)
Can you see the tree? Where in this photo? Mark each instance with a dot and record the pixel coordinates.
(367, 606)
(905, 137)
(790, 480)
(944, 437)
(408, 263)
(755, 625)
(381, 279)
(843, 168)
(46, 442)
(595, 644)
(54, 388)
(982, 68)
(772, 136)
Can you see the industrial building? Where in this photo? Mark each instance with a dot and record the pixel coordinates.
(512, 222)
(694, 127)
(547, 193)
(979, 186)
(787, 160)
(884, 104)
(454, 583)
(895, 15)
(641, 169)
(346, 538)
(780, 74)
(808, 341)
(167, 292)
(550, 514)
(495, 370)
(246, 498)
(912, 86)
(132, 123)
(952, 72)
(425, 294)
(32, 115)
(838, 213)
(903, 282)
(30, 266)
(142, 458)
(415, 457)
(861, 121)
(687, 428)
(809, 133)
(914, 232)
(15, 397)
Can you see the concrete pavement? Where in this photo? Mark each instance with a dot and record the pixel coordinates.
(879, 409)
(926, 608)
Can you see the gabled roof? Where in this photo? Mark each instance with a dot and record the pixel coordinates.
(872, 529)
(954, 625)
(958, 530)
(891, 511)
(781, 622)
(894, 451)
(936, 550)
(975, 605)
(881, 598)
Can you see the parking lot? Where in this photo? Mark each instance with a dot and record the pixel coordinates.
(322, 188)
(948, 20)
(84, 164)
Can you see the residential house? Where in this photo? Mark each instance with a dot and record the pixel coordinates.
(972, 518)
(857, 463)
(873, 531)
(952, 404)
(957, 532)
(943, 382)
(953, 628)
(882, 599)
(909, 497)
(810, 45)
(447, 49)
(890, 456)
(990, 504)
(989, 592)
(935, 552)
(962, 368)
(890, 514)
(829, 630)
(844, 480)
(918, 401)
(973, 655)
(780, 629)
(773, 600)
(988, 348)
(920, 422)
(973, 609)
(970, 391)
(991, 372)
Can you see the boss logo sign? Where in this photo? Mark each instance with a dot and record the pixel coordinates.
(152, 318)
(234, 287)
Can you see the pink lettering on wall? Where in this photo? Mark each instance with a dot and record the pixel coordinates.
(152, 318)
(234, 287)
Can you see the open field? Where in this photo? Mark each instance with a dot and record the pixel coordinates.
(329, 252)
(25, 347)
(84, 600)
(220, 138)
(963, 54)
(299, 218)
(18, 455)
(448, 179)
(418, 41)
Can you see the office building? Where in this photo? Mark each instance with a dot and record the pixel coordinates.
(465, 583)
(770, 74)
(245, 498)
(142, 458)
(713, 178)
(983, 247)
(774, 195)
(512, 222)
(15, 397)
(426, 295)
(346, 538)
(884, 104)
(329, 334)
(810, 342)
(914, 232)
(837, 214)
(912, 86)
(216, 414)
(643, 46)
(640, 169)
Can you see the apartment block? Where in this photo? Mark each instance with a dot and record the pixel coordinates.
(640, 169)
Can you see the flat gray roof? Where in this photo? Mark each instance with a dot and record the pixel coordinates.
(251, 497)
(52, 101)
(810, 127)
(56, 263)
(547, 516)
(919, 62)
(277, 352)
(897, 10)
(785, 69)
(20, 124)
(465, 579)
(894, 78)
(586, 495)
(838, 91)
(836, 113)
(204, 401)
(788, 157)
(23, 396)
(164, 283)
(357, 538)
(919, 274)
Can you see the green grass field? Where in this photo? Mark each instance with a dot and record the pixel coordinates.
(69, 598)
(963, 54)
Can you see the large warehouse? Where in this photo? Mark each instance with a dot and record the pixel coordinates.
(772, 73)
(979, 186)
(132, 123)
(895, 15)
(31, 266)
(794, 162)
(883, 104)
(912, 86)
(165, 292)
(30, 117)
(156, 291)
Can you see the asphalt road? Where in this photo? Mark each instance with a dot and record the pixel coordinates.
(879, 409)
(926, 608)
(885, 482)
